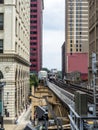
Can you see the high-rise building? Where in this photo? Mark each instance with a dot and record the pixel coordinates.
(36, 15)
(76, 39)
(14, 55)
(93, 34)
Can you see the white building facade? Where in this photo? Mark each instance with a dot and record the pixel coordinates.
(77, 26)
(14, 55)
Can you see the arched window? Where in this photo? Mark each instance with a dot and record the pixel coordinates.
(1, 75)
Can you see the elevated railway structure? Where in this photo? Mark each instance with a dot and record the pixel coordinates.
(66, 93)
(72, 88)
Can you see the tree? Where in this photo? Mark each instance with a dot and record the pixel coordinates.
(33, 81)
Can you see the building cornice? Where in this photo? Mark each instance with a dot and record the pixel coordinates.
(14, 57)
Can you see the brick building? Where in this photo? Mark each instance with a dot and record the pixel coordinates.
(36, 15)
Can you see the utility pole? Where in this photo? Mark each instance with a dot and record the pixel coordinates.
(94, 72)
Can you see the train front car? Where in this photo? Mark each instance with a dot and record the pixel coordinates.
(42, 77)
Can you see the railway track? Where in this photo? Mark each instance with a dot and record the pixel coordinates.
(72, 88)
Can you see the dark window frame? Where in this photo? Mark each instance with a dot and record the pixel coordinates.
(1, 21)
(1, 45)
(1, 1)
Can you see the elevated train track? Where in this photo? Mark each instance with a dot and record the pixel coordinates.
(72, 88)
(66, 93)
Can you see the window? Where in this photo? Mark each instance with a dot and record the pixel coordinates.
(16, 26)
(1, 46)
(76, 49)
(34, 60)
(70, 49)
(34, 38)
(1, 21)
(33, 49)
(33, 16)
(33, 5)
(33, 43)
(33, 32)
(33, 0)
(35, 65)
(33, 27)
(70, 45)
(76, 41)
(70, 41)
(34, 21)
(1, 1)
(34, 10)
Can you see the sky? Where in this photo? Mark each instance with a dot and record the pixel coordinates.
(53, 33)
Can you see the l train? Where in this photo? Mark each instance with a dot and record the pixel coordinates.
(42, 76)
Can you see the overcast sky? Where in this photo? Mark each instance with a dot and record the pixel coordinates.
(53, 33)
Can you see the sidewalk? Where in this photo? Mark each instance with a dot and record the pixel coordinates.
(21, 123)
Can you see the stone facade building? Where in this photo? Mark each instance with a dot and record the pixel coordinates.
(14, 55)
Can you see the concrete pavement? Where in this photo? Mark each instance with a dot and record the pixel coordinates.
(22, 121)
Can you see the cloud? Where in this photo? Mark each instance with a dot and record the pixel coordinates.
(53, 41)
(53, 34)
(54, 15)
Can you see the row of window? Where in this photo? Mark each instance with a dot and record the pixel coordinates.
(33, 21)
(33, 16)
(77, 45)
(77, 50)
(34, 10)
(33, 0)
(77, 41)
(33, 38)
(33, 32)
(33, 5)
(33, 60)
(33, 54)
(33, 27)
(33, 43)
(33, 49)
(34, 65)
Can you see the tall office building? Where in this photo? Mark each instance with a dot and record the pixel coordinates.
(14, 55)
(76, 39)
(93, 34)
(36, 16)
